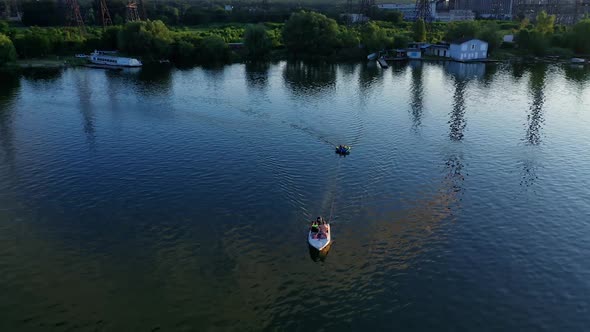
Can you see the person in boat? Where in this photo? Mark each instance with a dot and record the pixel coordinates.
(324, 230)
(315, 226)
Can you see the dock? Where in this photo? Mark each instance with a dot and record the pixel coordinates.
(383, 63)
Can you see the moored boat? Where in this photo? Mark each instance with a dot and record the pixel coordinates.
(578, 61)
(105, 59)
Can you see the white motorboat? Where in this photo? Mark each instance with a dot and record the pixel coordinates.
(578, 61)
(320, 240)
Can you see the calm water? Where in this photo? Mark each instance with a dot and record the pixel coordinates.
(171, 200)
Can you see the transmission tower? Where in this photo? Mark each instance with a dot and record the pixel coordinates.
(6, 9)
(142, 11)
(73, 15)
(132, 13)
(582, 9)
(11, 10)
(366, 8)
(104, 14)
(453, 4)
(423, 10)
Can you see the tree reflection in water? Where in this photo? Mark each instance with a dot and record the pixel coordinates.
(462, 74)
(535, 116)
(9, 87)
(309, 79)
(256, 74)
(417, 92)
(85, 96)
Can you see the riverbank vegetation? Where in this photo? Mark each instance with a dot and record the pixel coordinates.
(304, 34)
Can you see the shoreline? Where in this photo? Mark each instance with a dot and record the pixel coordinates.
(71, 62)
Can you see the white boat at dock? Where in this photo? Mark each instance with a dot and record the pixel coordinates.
(104, 58)
(578, 61)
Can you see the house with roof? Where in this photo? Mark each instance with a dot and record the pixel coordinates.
(468, 49)
(438, 49)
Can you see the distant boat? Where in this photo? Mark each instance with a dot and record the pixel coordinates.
(578, 60)
(101, 58)
(372, 56)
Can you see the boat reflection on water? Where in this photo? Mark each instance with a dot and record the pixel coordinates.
(319, 255)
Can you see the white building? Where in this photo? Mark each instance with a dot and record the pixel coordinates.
(468, 49)
(441, 50)
(508, 38)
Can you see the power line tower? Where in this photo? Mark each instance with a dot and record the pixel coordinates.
(10, 10)
(423, 10)
(142, 11)
(582, 9)
(366, 7)
(132, 14)
(73, 16)
(104, 14)
(5, 9)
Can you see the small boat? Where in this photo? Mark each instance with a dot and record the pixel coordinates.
(318, 240)
(343, 149)
(578, 61)
(372, 56)
(382, 63)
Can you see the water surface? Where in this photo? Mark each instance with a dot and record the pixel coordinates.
(165, 199)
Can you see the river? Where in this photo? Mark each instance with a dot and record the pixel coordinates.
(178, 200)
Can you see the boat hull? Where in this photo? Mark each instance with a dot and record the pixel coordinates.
(322, 243)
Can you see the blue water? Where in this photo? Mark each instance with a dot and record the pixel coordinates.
(179, 200)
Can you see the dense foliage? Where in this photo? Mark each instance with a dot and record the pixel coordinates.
(306, 32)
(419, 30)
(7, 51)
(257, 42)
(145, 38)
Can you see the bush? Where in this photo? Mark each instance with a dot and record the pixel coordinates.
(533, 41)
(349, 38)
(150, 39)
(31, 45)
(581, 36)
(257, 41)
(419, 30)
(374, 38)
(7, 50)
(309, 32)
(490, 33)
(464, 29)
(214, 50)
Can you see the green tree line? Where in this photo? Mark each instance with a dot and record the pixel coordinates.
(305, 34)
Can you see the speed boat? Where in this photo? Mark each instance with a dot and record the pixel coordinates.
(343, 149)
(319, 240)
